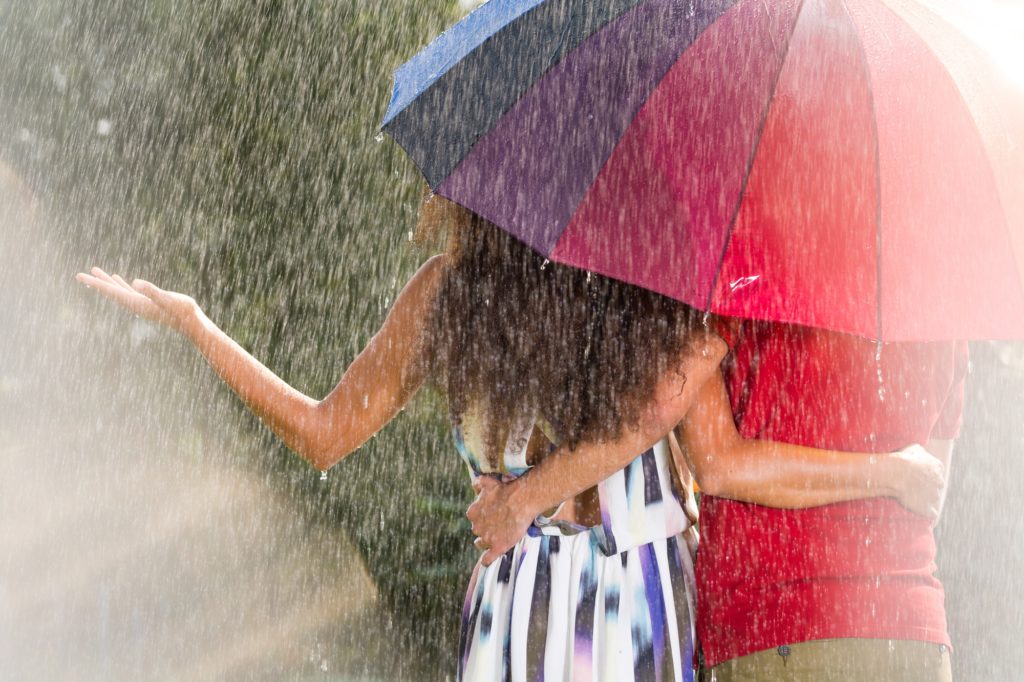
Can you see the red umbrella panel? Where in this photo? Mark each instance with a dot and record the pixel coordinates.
(854, 165)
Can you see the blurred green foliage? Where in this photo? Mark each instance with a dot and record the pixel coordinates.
(227, 149)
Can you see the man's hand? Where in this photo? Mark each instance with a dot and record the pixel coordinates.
(920, 481)
(498, 521)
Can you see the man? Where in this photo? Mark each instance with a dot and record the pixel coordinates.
(845, 591)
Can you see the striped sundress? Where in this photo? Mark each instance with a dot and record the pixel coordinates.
(612, 603)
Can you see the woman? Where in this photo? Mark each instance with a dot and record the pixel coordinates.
(529, 354)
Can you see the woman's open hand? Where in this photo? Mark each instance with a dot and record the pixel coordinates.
(920, 481)
(144, 299)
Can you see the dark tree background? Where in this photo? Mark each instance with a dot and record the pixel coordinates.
(229, 149)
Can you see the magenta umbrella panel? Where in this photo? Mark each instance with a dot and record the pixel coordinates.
(854, 165)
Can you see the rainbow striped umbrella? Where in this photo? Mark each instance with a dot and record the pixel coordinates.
(855, 165)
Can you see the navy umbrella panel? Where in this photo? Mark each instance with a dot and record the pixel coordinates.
(837, 163)
(587, 98)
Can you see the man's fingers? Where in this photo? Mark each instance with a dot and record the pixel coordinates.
(482, 483)
(487, 483)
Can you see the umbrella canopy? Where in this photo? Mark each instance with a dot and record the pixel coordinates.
(854, 165)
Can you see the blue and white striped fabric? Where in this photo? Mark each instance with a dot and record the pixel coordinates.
(609, 603)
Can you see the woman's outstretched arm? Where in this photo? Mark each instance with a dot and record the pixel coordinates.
(378, 383)
(783, 475)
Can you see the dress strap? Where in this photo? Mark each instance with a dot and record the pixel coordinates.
(519, 433)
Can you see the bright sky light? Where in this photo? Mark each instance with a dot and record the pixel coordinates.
(996, 25)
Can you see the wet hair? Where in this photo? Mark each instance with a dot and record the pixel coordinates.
(512, 335)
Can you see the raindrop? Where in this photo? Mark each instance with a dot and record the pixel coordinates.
(366, 401)
(323, 666)
(379, 137)
(589, 276)
(544, 264)
(60, 79)
(323, 475)
(103, 127)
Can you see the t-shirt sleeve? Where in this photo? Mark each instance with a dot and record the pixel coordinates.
(951, 417)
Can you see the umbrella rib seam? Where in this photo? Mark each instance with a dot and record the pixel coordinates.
(753, 157)
(878, 178)
(636, 113)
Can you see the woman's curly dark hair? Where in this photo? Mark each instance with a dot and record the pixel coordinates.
(512, 334)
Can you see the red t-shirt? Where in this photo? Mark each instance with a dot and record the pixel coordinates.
(768, 577)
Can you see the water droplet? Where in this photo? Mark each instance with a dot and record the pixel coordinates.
(544, 264)
(60, 79)
(103, 127)
(379, 137)
(323, 475)
(590, 275)
(323, 665)
(410, 235)
(366, 401)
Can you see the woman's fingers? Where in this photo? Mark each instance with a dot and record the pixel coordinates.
(104, 276)
(143, 298)
(146, 288)
(120, 282)
(118, 290)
